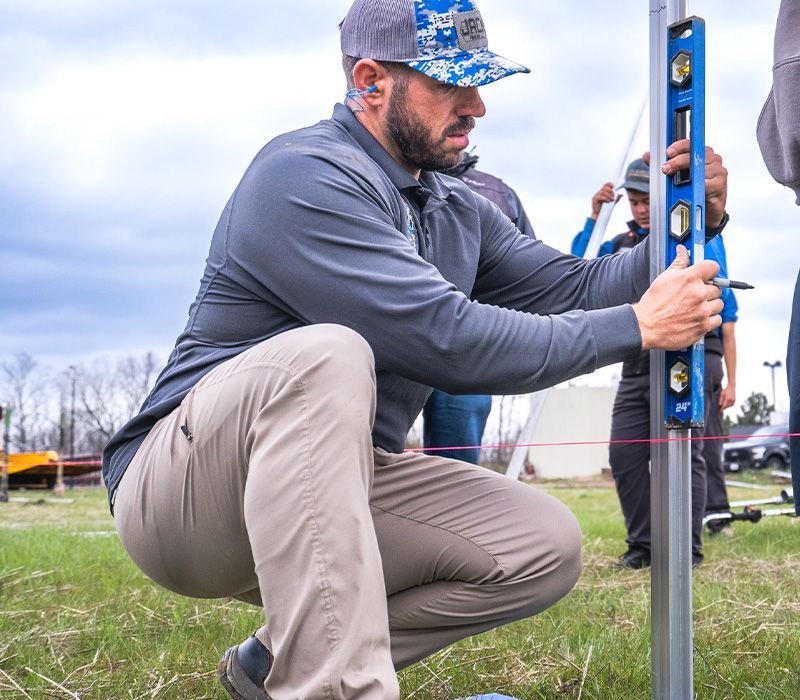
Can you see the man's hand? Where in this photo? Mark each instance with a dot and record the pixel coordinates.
(727, 397)
(716, 177)
(604, 194)
(679, 308)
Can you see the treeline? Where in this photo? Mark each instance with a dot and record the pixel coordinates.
(75, 410)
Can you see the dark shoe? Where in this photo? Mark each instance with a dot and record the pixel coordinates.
(635, 559)
(697, 559)
(243, 670)
(720, 527)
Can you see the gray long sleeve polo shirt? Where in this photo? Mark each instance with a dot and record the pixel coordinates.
(325, 227)
(779, 122)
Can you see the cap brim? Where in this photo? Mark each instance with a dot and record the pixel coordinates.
(468, 68)
(636, 186)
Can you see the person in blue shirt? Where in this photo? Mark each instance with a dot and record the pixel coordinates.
(637, 188)
(459, 420)
(630, 461)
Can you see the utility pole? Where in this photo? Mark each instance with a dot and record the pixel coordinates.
(73, 372)
(5, 430)
(772, 367)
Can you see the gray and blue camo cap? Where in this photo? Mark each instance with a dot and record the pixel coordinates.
(637, 177)
(444, 39)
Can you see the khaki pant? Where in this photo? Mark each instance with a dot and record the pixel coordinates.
(364, 561)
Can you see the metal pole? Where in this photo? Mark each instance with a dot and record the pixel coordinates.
(74, 371)
(772, 378)
(604, 217)
(5, 430)
(517, 461)
(772, 366)
(671, 602)
(774, 398)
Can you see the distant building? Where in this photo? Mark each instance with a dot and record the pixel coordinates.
(573, 414)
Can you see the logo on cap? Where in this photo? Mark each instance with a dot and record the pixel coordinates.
(471, 30)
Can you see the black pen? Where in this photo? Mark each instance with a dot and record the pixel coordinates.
(731, 284)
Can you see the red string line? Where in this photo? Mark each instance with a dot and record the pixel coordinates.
(91, 463)
(652, 441)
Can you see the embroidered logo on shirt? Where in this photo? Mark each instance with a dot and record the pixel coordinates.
(411, 227)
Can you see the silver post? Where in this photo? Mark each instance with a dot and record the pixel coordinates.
(671, 604)
(5, 430)
(772, 366)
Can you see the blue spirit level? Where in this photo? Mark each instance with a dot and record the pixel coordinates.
(685, 206)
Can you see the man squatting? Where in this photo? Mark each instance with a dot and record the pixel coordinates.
(347, 277)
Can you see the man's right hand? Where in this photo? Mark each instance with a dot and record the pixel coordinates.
(679, 308)
(604, 194)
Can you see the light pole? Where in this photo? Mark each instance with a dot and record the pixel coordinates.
(73, 371)
(772, 366)
(5, 438)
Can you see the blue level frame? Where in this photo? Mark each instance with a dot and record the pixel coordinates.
(685, 206)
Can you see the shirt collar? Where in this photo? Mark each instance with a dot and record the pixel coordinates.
(633, 226)
(400, 178)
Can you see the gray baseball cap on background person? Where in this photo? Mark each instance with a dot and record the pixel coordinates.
(444, 39)
(637, 177)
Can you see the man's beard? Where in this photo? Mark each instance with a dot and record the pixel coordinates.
(414, 142)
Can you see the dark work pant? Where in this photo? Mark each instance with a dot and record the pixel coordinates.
(630, 463)
(455, 421)
(793, 373)
(716, 491)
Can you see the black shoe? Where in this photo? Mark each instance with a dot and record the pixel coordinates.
(635, 558)
(697, 559)
(719, 527)
(244, 668)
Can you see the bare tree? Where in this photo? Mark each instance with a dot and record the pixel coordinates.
(109, 394)
(503, 430)
(136, 376)
(78, 409)
(24, 393)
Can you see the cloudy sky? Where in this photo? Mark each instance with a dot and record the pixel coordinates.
(125, 125)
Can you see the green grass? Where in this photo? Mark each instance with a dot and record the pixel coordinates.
(78, 620)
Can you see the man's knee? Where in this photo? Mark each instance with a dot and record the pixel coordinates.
(341, 371)
(553, 559)
(337, 350)
(566, 552)
(324, 358)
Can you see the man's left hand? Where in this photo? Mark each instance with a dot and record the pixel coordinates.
(716, 177)
(727, 397)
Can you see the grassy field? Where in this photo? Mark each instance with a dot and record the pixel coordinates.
(77, 619)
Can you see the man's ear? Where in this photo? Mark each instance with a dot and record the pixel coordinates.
(370, 79)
